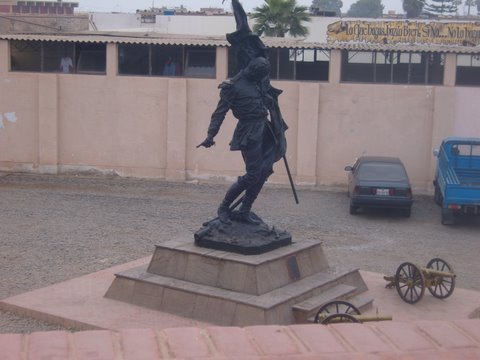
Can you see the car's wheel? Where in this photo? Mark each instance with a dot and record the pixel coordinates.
(353, 210)
(437, 197)
(407, 212)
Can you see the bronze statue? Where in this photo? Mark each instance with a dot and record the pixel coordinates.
(253, 101)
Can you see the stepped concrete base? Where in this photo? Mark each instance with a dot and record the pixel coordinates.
(253, 274)
(284, 286)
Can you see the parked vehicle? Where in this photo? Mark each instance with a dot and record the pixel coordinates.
(379, 182)
(457, 178)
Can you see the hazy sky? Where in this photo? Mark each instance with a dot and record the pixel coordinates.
(131, 5)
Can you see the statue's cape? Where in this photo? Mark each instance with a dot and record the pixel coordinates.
(278, 125)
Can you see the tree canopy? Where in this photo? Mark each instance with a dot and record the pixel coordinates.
(469, 4)
(280, 17)
(319, 6)
(366, 9)
(413, 8)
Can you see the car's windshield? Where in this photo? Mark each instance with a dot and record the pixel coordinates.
(381, 171)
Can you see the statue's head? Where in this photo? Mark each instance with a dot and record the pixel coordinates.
(258, 68)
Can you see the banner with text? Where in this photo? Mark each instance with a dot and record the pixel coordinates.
(407, 32)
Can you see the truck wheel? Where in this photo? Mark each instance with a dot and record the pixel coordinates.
(447, 217)
(438, 198)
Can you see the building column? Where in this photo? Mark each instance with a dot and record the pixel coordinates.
(222, 63)
(48, 123)
(176, 130)
(450, 70)
(335, 67)
(4, 57)
(112, 63)
(307, 133)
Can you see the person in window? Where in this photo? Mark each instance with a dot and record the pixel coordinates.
(66, 64)
(170, 67)
(455, 150)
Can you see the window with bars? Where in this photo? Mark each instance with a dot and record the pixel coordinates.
(292, 64)
(468, 70)
(167, 60)
(52, 56)
(392, 67)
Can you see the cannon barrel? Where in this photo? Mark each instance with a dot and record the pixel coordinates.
(429, 271)
(364, 318)
(360, 318)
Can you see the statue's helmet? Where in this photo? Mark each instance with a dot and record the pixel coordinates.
(258, 68)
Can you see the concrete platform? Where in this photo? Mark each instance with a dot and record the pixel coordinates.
(80, 304)
(230, 289)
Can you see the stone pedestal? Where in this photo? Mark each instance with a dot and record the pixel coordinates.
(283, 286)
(241, 238)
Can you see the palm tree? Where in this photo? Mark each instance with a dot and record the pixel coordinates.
(279, 17)
(413, 8)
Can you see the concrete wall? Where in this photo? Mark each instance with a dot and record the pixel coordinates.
(193, 24)
(112, 21)
(43, 23)
(150, 126)
(165, 24)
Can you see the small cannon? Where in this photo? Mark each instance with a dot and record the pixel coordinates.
(411, 281)
(339, 311)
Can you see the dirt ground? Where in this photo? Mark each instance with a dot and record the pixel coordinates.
(54, 228)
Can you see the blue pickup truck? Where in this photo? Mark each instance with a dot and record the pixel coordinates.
(457, 178)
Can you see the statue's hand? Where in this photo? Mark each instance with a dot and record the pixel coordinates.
(208, 142)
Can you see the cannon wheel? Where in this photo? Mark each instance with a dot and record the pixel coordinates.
(336, 307)
(410, 282)
(444, 286)
(339, 318)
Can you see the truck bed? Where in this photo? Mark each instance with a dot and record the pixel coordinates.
(459, 170)
(461, 186)
(457, 178)
(468, 177)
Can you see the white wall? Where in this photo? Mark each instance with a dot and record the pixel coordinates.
(193, 24)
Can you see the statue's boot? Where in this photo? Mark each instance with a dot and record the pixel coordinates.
(223, 211)
(244, 214)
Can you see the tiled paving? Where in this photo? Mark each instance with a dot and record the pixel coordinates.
(383, 340)
(432, 329)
